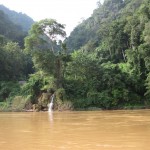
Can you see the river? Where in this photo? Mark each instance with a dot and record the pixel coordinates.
(76, 130)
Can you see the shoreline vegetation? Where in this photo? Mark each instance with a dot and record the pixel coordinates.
(9, 109)
(104, 64)
(41, 101)
(21, 104)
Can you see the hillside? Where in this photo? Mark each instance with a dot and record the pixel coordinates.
(90, 30)
(18, 18)
(10, 30)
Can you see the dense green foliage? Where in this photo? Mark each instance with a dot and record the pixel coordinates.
(13, 62)
(15, 65)
(108, 64)
(111, 67)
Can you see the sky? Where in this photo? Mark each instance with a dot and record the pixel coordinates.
(68, 12)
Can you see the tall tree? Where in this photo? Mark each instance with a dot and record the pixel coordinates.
(43, 44)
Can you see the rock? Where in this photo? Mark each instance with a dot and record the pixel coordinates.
(43, 101)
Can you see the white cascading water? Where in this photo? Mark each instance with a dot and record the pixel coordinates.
(51, 103)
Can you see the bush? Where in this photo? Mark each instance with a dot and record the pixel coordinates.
(19, 103)
(8, 89)
(65, 105)
(60, 94)
(37, 82)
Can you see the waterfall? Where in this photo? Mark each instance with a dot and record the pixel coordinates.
(51, 103)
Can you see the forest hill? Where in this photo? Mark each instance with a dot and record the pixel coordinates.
(104, 63)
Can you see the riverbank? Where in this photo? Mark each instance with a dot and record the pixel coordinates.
(7, 108)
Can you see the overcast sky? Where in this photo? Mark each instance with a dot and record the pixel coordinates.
(68, 12)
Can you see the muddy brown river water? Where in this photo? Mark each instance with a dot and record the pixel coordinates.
(77, 130)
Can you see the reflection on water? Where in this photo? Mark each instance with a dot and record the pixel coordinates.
(50, 113)
(101, 130)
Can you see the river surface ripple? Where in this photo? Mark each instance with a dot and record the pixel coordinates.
(76, 130)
